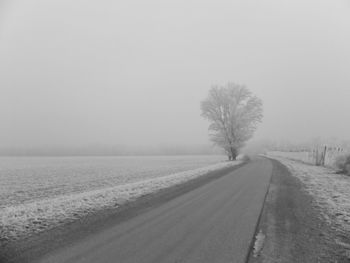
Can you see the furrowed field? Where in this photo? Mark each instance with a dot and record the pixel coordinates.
(37, 193)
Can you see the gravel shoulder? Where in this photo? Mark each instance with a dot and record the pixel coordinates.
(292, 227)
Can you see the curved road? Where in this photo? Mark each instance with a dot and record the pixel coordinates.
(213, 223)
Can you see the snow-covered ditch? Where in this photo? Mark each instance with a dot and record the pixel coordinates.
(21, 220)
(331, 191)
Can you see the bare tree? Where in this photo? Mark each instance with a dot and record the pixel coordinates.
(234, 113)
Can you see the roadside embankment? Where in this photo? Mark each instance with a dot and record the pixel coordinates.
(306, 217)
(329, 189)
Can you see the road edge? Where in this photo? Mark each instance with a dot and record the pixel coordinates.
(252, 243)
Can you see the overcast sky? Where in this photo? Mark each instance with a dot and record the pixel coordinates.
(134, 72)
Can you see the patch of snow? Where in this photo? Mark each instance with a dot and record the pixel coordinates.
(259, 243)
(331, 191)
(20, 220)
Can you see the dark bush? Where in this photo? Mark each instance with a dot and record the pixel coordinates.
(342, 163)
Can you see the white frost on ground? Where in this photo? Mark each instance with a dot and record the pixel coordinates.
(331, 191)
(20, 220)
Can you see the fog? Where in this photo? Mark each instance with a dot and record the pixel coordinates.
(79, 73)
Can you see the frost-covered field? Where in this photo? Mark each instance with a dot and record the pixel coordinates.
(25, 179)
(331, 190)
(310, 156)
(39, 193)
(298, 156)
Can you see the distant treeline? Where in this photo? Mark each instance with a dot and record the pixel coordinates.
(118, 150)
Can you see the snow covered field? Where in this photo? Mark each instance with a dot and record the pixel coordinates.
(331, 191)
(38, 214)
(27, 179)
(310, 156)
(298, 156)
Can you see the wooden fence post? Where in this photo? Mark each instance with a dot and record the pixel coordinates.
(324, 155)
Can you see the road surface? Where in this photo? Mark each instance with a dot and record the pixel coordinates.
(213, 223)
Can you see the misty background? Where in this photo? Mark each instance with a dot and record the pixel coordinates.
(128, 76)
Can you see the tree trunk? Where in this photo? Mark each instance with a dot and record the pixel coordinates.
(233, 154)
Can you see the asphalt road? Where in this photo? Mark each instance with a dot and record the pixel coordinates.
(213, 223)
